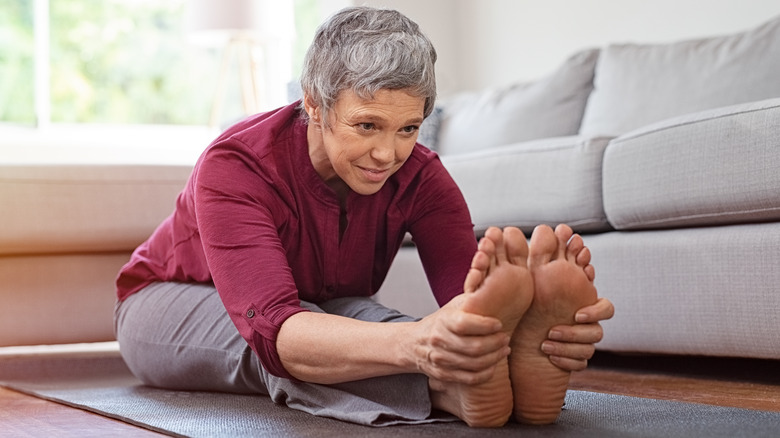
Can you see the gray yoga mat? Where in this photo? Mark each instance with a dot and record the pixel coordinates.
(105, 386)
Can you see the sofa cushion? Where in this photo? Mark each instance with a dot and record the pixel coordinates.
(701, 291)
(714, 167)
(640, 84)
(550, 107)
(76, 208)
(526, 184)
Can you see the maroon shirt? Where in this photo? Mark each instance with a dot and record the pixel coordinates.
(257, 220)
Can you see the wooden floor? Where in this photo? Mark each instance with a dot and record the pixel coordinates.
(742, 383)
(748, 384)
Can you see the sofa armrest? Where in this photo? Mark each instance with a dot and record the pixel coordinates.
(707, 168)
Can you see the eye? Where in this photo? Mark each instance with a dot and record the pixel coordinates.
(366, 126)
(411, 129)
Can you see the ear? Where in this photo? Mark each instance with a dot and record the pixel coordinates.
(312, 109)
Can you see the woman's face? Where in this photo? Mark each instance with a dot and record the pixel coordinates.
(367, 140)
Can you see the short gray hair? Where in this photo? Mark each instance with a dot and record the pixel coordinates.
(365, 50)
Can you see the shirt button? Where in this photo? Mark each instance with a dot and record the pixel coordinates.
(250, 313)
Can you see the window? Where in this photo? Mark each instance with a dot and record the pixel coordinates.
(120, 62)
(16, 62)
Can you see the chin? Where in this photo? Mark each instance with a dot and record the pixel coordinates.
(367, 192)
(367, 189)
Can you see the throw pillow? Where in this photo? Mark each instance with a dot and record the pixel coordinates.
(640, 84)
(550, 107)
(429, 130)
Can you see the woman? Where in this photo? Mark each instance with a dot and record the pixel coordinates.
(259, 282)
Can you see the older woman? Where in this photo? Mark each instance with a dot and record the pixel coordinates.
(259, 282)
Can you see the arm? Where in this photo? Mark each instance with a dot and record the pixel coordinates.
(234, 206)
(254, 279)
(442, 230)
(449, 345)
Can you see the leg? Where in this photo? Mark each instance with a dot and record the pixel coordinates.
(500, 285)
(563, 281)
(178, 336)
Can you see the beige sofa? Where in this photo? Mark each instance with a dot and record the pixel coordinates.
(665, 157)
(66, 230)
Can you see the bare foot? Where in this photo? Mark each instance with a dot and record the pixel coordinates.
(499, 284)
(563, 280)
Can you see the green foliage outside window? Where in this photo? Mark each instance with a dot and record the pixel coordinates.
(111, 61)
(117, 62)
(16, 62)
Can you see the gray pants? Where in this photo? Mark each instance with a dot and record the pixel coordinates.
(179, 336)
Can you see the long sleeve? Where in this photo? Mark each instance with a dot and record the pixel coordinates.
(235, 205)
(442, 230)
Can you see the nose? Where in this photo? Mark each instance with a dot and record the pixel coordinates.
(383, 151)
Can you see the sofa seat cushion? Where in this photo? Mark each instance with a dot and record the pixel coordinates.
(526, 184)
(636, 85)
(702, 291)
(48, 209)
(549, 107)
(714, 167)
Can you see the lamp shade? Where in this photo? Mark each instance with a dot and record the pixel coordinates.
(213, 22)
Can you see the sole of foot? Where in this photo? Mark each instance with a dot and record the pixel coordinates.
(499, 284)
(562, 285)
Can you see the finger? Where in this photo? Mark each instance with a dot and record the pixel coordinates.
(578, 333)
(463, 349)
(568, 350)
(568, 364)
(470, 324)
(602, 310)
(444, 359)
(462, 376)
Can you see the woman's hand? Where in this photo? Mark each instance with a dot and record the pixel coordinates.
(571, 346)
(456, 346)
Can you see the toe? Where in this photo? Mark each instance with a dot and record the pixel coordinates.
(583, 257)
(516, 246)
(564, 233)
(590, 272)
(496, 236)
(487, 247)
(480, 264)
(474, 280)
(481, 260)
(544, 246)
(574, 247)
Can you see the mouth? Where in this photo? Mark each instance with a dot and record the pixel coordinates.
(375, 175)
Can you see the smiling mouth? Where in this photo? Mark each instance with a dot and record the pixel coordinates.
(375, 175)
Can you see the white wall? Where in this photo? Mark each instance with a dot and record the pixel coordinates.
(485, 43)
(439, 20)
